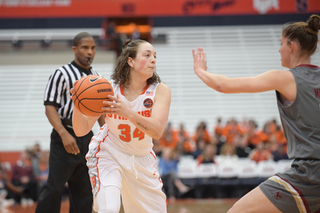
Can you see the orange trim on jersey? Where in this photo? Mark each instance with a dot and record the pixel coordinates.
(153, 155)
(121, 90)
(145, 89)
(98, 176)
(95, 155)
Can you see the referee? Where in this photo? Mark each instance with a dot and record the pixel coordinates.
(67, 163)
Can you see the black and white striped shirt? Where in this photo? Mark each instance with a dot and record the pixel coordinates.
(57, 92)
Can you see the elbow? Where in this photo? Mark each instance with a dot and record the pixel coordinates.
(157, 136)
(79, 133)
(221, 88)
(216, 85)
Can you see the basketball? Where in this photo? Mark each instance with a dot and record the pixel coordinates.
(89, 93)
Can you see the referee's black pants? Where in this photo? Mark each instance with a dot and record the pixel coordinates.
(65, 167)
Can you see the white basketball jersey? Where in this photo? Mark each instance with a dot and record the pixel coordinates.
(122, 134)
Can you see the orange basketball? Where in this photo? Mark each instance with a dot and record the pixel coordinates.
(89, 93)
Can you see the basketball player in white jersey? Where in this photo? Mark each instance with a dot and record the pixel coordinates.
(120, 158)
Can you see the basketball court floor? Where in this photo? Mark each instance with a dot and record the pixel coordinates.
(179, 206)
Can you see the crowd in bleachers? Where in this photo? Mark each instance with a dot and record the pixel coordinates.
(177, 149)
(234, 141)
(21, 182)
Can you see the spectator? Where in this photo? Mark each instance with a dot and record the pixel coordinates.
(35, 154)
(200, 146)
(260, 153)
(273, 126)
(22, 176)
(218, 131)
(7, 188)
(280, 153)
(202, 133)
(231, 130)
(208, 154)
(157, 148)
(228, 150)
(244, 125)
(252, 136)
(265, 133)
(168, 167)
(135, 33)
(41, 171)
(186, 145)
(241, 146)
(112, 36)
(280, 135)
(183, 134)
(169, 137)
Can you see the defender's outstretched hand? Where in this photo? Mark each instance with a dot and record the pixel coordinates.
(199, 60)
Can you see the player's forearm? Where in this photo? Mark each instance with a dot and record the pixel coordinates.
(214, 81)
(148, 125)
(82, 124)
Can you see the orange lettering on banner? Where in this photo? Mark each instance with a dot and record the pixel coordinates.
(152, 8)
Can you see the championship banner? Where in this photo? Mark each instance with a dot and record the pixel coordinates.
(151, 8)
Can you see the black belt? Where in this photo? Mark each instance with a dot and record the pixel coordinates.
(67, 123)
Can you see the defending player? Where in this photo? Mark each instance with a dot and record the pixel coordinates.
(120, 157)
(298, 95)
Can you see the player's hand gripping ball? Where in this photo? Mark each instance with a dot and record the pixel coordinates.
(89, 93)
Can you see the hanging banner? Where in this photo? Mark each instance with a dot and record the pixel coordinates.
(151, 8)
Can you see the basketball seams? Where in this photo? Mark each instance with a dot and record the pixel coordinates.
(98, 113)
(76, 90)
(91, 87)
(88, 99)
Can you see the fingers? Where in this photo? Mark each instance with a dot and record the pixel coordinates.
(199, 55)
(75, 149)
(75, 83)
(72, 148)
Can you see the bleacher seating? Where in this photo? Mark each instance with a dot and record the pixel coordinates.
(228, 178)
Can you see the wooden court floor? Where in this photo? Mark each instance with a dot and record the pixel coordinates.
(179, 206)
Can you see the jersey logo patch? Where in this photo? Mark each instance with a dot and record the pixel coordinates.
(94, 80)
(148, 103)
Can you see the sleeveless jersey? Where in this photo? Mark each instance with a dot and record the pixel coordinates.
(122, 134)
(301, 120)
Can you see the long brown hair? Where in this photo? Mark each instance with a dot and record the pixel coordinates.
(121, 73)
(305, 33)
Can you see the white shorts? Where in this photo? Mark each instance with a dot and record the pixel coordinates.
(141, 186)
